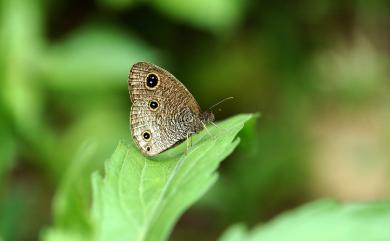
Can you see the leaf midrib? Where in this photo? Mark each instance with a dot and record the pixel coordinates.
(171, 177)
(144, 230)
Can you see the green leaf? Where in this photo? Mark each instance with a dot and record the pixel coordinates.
(141, 198)
(94, 57)
(322, 220)
(73, 197)
(237, 232)
(18, 88)
(216, 15)
(62, 235)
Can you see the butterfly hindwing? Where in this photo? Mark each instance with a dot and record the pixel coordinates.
(163, 111)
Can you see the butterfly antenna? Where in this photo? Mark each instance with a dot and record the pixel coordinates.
(211, 122)
(218, 127)
(227, 98)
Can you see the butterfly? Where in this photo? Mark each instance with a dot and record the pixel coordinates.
(163, 111)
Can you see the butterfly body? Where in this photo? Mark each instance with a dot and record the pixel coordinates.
(163, 111)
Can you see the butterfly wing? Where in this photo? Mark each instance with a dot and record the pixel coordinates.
(163, 112)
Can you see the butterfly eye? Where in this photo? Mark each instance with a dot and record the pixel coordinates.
(153, 105)
(146, 135)
(152, 81)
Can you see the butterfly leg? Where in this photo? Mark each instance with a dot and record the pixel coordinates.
(207, 130)
(188, 144)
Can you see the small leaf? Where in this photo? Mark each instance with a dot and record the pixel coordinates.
(237, 232)
(323, 220)
(71, 203)
(72, 198)
(141, 198)
(60, 235)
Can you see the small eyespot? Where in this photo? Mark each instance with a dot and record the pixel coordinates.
(152, 81)
(146, 135)
(148, 148)
(153, 105)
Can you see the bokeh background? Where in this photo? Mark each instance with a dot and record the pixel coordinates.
(317, 71)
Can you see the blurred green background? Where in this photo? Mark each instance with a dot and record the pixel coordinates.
(318, 71)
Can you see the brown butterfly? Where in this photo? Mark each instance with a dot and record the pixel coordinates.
(163, 112)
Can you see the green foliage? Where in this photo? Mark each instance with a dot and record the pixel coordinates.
(92, 58)
(63, 72)
(254, 177)
(322, 220)
(221, 15)
(72, 200)
(85, 67)
(19, 93)
(141, 198)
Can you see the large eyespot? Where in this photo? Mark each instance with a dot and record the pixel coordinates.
(146, 135)
(153, 105)
(152, 81)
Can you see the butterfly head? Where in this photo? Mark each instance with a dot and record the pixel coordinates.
(207, 116)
